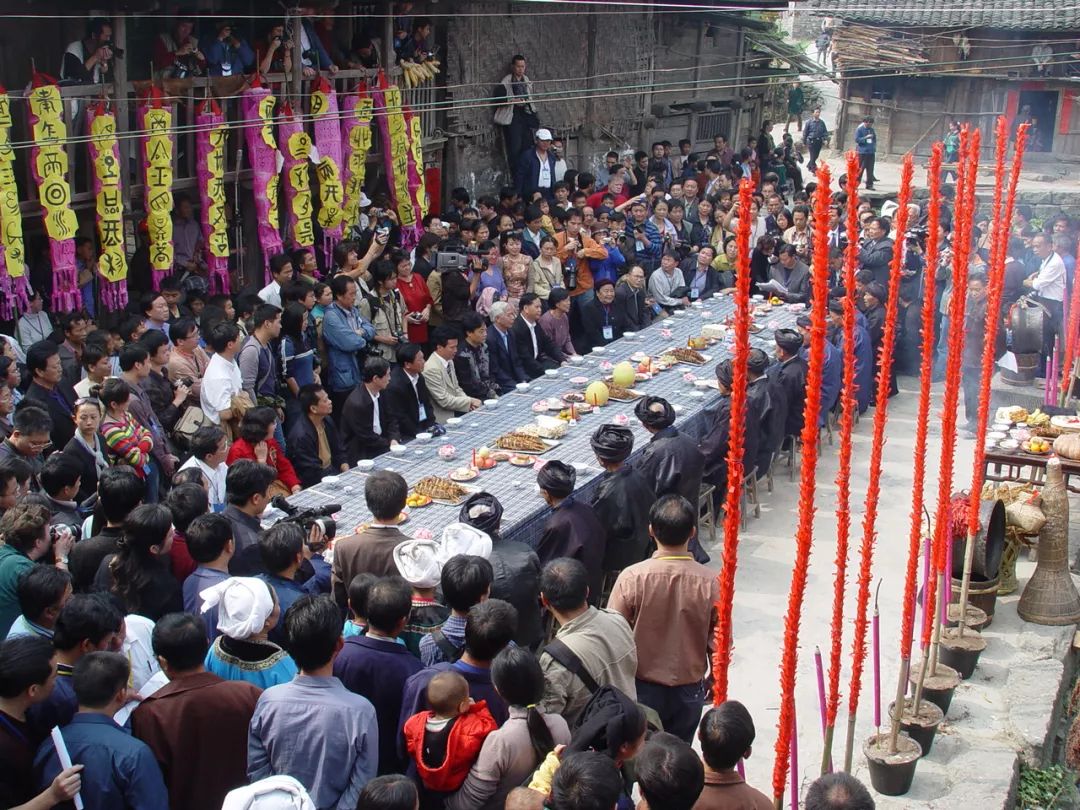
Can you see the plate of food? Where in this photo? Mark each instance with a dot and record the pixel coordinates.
(1069, 424)
(500, 455)
(523, 443)
(573, 396)
(620, 394)
(403, 517)
(690, 357)
(417, 501)
(462, 474)
(544, 405)
(520, 460)
(1036, 446)
(442, 490)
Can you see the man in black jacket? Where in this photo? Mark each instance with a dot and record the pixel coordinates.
(364, 419)
(472, 363)
(622, 500)
(313, 445)
(533, 346)
(632, 303)
(790, 373)
(876, 253)
(48, 391)
(536, 169)
(408, 403)
(502, 352)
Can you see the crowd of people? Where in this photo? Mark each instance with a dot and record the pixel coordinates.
(193, 658)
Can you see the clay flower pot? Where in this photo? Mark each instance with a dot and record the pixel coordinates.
(961, 652)
(939, 687)
(975, 617)
(922, 728)
(891, 773)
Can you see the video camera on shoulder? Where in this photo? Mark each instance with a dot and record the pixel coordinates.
(306, 518)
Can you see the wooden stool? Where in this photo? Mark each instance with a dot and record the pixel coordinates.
(706, 511)
(749, 495)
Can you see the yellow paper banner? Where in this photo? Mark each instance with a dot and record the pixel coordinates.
(11, 235)
(399, 157)
(157, 153)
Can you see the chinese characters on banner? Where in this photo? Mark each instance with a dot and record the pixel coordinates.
(105, 163)
(395, 138)
(416, 164)
(296, 149)
(156, 123)
(50, 166)
(210, 138)
(356, 142)
(12, 256)
(257, 105)
(324, 112)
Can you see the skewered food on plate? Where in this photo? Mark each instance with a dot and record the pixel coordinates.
(521, 441)
(439, 489)
(684, 355)
(625, 394)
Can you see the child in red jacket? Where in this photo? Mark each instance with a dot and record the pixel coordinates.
(445, 741)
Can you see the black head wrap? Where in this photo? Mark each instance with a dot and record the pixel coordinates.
(655, 413)
(789, 340)
(612, 443)
(836, 306)
(725, 374)
(757, 361)
(484, 512)
(609, 721)
(557, 479)
(804, 321)
(878, 290)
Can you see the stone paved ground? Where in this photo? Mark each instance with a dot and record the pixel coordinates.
(1005, 708)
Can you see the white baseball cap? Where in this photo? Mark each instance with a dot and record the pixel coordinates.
(543, 135)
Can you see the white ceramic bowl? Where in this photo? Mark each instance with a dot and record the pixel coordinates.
(668, 322)
(399, 449)
(551, 372)
(331, 481)
(580, 467)
(454, 421)
(630, 335)
(365, 464)
(579, 382)
(519, 387)
(599, 350)
(575, 359)
(423, 438)
(491, 404)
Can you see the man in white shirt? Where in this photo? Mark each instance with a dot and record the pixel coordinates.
(222, 380)
(209, 447)
(364, 417)
(1049, 287)
(281, 271)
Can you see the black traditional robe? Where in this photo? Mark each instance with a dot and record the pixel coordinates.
(574, 531)
(622, 502)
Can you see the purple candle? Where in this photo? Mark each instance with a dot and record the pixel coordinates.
(820, 687)
(794, 764)
(874, 629)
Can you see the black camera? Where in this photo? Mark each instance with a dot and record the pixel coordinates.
(183, 381)
(306, 518)
(56, 529)
(117, 52)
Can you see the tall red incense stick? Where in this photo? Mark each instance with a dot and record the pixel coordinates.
(732, 498)
(804, 534)
(843, 475)
(961, 244)
(993, 321)
(922, 422)
(873, 488)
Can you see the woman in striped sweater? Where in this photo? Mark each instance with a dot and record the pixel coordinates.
(128, 442)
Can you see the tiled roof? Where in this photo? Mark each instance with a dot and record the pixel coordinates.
(1018, 15)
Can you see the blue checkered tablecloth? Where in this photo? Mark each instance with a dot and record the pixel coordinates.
(525, 512)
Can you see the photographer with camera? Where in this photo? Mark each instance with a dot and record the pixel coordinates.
(176, 52)
(89, 60)
(228, 54)
(386, 311)
(276, 51)
(27, 540)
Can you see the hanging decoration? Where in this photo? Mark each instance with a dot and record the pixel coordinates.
(257, 106)
(12, 254)
(156, 146)
(105, 162)
(296, 150)
(395, 139)
(356, 143)
(50, 167)
(324, 111)
(211, 133)
(416, 164)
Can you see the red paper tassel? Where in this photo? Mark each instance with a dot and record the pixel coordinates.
(804, 534)
(881, 415)
(969, 162)
(847, 424)
(732, 498)
(922, 421)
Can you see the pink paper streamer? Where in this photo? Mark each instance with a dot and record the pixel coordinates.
(263, 160)
(327, 129)
(210, 120)
(794, 764)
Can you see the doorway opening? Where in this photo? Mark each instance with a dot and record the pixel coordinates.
(1042, 107)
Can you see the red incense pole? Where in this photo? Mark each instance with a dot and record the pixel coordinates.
(873, 489)
(732, 498)
(804, 534)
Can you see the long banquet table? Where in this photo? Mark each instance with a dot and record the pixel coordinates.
(525, 512)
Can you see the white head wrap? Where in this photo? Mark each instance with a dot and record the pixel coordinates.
(244, 604)
(461, 538)
(417, 562)
(279, 792)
